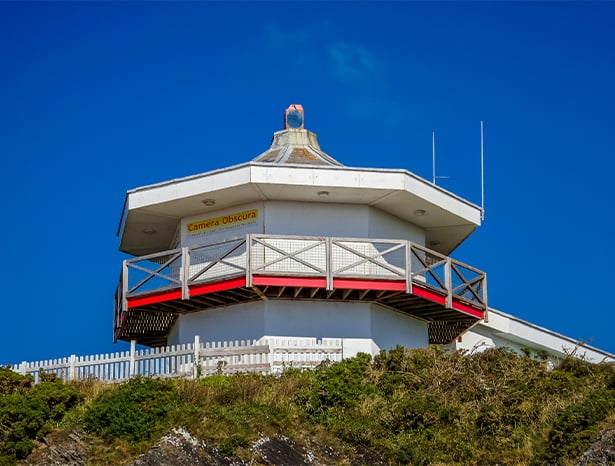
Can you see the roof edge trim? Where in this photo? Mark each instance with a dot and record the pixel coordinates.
(401, 171)
(551, 332)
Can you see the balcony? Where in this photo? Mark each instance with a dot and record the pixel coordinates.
(154, 290)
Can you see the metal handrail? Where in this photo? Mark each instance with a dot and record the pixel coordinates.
(312, 256)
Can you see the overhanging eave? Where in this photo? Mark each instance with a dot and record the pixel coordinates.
(446, 218)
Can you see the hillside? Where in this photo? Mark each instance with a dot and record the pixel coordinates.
(420, 406)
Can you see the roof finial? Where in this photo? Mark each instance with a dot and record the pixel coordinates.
(294, 117)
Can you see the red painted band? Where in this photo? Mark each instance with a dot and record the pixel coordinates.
(359, 284)
(466, 309)
(138, 301)
(229, 284)
(304, 282)
(428, 294)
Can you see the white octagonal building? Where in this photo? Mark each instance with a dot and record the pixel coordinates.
(295, 244)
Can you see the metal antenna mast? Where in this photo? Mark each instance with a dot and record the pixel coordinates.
(482, 173)
(433, 158)
(433, 155)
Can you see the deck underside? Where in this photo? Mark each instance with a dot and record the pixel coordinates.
(150, 317)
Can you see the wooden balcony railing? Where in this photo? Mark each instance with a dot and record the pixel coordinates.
(333, 260)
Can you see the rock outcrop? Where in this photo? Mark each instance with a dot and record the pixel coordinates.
(180, 448)
(60, 448)
(601, 452)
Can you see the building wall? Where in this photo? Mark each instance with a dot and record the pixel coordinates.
(238, 322)
(314, 219)
(301, 219)
(391, 328)
(386, 226)
(219, 227)
(317, 319)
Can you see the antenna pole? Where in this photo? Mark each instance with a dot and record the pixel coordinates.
(482, 172)
(433, 155)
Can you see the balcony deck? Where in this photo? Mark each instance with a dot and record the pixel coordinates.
(155, 289)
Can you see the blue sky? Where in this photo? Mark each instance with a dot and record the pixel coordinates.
(99, 98)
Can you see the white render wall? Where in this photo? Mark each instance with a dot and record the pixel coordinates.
(238, 322)
(364, 322)
(314, 219)
(386, 226)
(306, 219)
(217, 235)
(318, 319)
(391, 328)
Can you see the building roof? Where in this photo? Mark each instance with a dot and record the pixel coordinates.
(515, 330)
(296, 146)
(294, 168)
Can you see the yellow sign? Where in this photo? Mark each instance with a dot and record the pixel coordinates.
(223, 222)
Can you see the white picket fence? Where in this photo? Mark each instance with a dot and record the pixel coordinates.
(267, 355)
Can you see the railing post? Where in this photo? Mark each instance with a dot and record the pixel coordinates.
(124, 286)
(249, 260)
(196, 366)
(132, 364)
(485, 302)
(448, 282)
(117, 309)
(408, 267)
(329, 262)
(185, 276)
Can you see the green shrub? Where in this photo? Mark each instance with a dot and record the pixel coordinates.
(578, 425)
(26, 412)
(399, 368)
(133, 411)
(419, 411)
(12, 382)
(229, 445)
(342, 384)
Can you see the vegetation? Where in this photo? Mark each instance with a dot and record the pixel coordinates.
(27, 411)
(422, 406)
(132, 412)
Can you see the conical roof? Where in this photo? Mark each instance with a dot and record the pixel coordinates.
(296, 146)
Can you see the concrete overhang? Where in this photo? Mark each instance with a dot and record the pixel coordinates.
(152, 213)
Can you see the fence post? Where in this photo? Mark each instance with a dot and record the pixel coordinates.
(271, 356)
(23, 368)
(132, 363)
(71, 366)
(196, 366)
